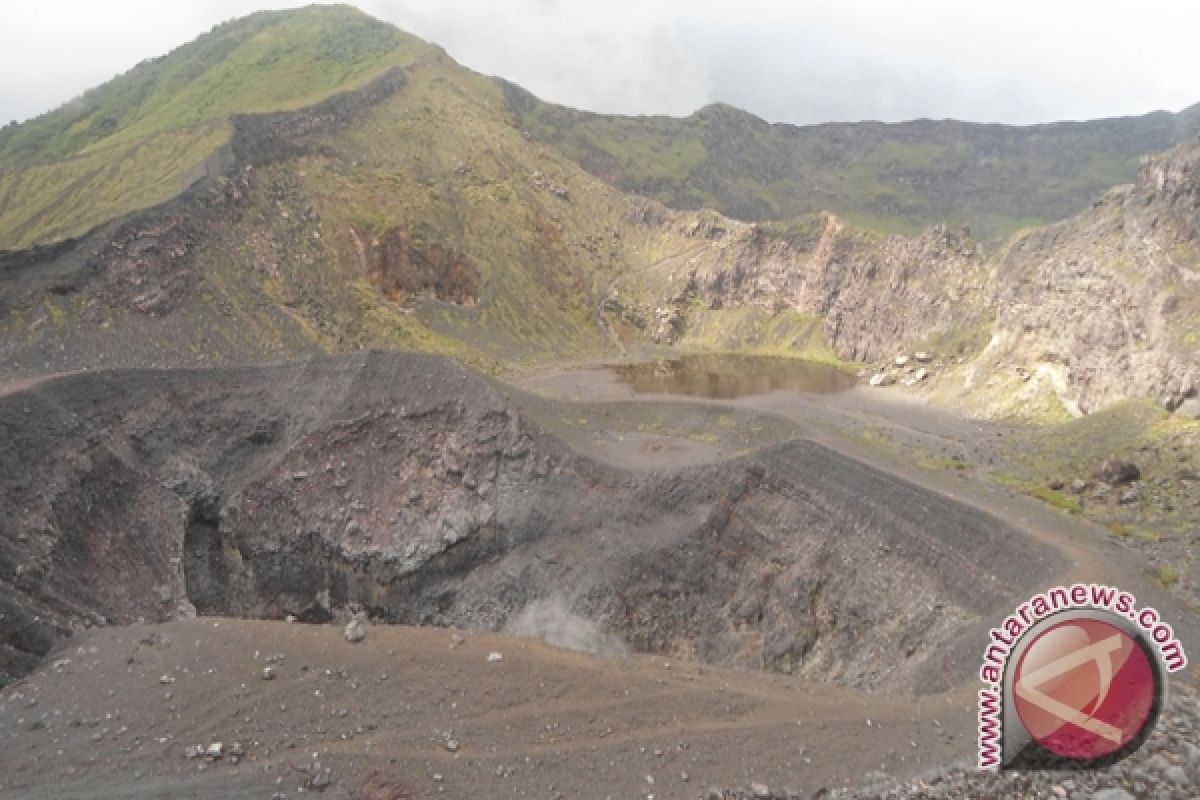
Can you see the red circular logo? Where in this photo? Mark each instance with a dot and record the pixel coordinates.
(1084, 689)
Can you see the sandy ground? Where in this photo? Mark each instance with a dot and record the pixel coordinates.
(114, 713)
(115, 716)
(900, 433)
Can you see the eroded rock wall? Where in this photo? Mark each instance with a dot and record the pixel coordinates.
(410, 486)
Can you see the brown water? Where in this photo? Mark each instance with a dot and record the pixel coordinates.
(722, 376)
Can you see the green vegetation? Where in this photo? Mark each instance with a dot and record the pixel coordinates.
(1134, 430)
(752, 330)
(891, 178)
(143, 136)
(964, 342)
(1053, 497)
(268, 61)
(933, 464)
(55, 201)
(433, 176)
(1127, 531)
(1166, 576)
(1060, 500)
(161, 119)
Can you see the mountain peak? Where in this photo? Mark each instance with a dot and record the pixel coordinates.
(267, 61)
(720, 110)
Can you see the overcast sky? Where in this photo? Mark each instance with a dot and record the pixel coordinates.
(1017, 61)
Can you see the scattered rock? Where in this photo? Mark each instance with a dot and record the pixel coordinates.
(1130, 496)
(356, 630)
(494, 657)
(1159, 770)
(1177, 775)
(881, 379)
(1112, 794)
(1115, 472)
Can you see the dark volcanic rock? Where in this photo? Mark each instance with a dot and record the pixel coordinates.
(1115, 472)
(430, 498)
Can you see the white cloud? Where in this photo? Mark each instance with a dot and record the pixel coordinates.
(1018, 61)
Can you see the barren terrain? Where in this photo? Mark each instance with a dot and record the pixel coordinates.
(363, 434)
(217, 466)
(379, 714)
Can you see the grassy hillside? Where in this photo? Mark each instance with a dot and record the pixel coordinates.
(455, 213)
(889, 177)
(138, 139)
(264, 62)
(431, 223)
(49, 202)
(426, 221)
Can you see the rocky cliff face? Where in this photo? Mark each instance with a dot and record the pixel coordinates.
(1109, 302)
(410, 486)
(874, 295)
(378, 218)
(1089, 311)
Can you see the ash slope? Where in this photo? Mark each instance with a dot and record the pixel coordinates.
(98, 724)
(410, 485)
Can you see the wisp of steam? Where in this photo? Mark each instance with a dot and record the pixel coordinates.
(551, 620)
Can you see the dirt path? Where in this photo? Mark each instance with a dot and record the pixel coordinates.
(22, 384)
(112, 715)
(904, 436)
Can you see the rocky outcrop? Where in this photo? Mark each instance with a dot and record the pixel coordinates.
(267, 138)
(403, 268)
(1110, 300)
(409, 487)
(144, 260)
(875, 294)
(252, 262)
(1093, 310)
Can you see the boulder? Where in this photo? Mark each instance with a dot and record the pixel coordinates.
(356, 630)
(1130, 497)
(1115, 472)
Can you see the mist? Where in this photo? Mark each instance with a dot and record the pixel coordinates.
(551, 620)
(801, 62)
